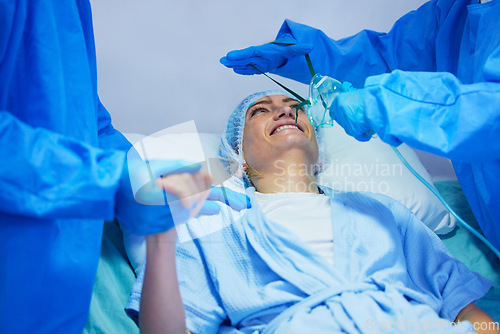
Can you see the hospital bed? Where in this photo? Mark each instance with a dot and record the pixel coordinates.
(370, 165)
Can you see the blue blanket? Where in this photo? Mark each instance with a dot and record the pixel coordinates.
(391, 272)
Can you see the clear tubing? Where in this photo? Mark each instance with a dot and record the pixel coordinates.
(438, 195)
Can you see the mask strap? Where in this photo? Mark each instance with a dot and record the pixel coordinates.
(300, 98)
(303, 101)
(311, 69)
(310, 65)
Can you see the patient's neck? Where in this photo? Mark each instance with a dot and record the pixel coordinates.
(290, 175)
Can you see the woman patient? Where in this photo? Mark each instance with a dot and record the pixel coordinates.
(303, 259)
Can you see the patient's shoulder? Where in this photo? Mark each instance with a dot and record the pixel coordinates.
(365, 197)
(372, 203)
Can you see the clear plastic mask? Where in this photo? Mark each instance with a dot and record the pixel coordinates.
(322, 91)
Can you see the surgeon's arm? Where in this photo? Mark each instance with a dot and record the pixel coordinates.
(109, 137)
(47, 175)
(482, 322)
(437, 113)
(410, 45)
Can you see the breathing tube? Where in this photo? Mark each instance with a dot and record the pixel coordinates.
(322, 91)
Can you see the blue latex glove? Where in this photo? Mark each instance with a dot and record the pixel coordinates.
(266, 57)
(237, 201)
(180, 214)
(144, 207)
(349, 112)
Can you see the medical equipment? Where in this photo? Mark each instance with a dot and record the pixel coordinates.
(441, 199)
(322, 92)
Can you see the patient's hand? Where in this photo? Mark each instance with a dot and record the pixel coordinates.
(162, 310)
(192, 190)
(479, 319)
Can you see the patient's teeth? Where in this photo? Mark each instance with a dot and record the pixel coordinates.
(283, 127)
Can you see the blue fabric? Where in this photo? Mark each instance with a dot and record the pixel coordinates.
(144, 208)
(469, 250)
(388, 266)
(265, 57)
(349, 112)
(58, 172)
(112, 286)
(445, 97)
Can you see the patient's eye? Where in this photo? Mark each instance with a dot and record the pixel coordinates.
(256, 111)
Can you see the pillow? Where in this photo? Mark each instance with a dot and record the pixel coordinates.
(373, 166)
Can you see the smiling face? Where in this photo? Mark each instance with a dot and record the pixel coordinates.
(271, 133)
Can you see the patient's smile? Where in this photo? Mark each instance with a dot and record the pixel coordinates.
(284, 127)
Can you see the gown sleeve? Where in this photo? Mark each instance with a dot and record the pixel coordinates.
(109, 137)
(430, 111)
(47, 175)
(43, 173)
(437, 113)
(410, 45)
(447, 283)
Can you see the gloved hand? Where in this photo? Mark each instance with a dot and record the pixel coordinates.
(237, 201)
(266, 57)
(190, 194)
(142, 206)
(349, 112)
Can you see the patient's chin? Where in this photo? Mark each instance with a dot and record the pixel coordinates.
(293, 140)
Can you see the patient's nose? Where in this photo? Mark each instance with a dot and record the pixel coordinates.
(285, 111)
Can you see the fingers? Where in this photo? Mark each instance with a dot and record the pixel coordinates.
(210, 208)
(237, 201)
(194, 193)
(347, 87)
(245, 70)
(237, 57)
(266, 57)
(348, 111)
(191, 189)
(206, 181)
(168, 167)
(142, 174)
(241, 55)
(299, 49)
(241, 66)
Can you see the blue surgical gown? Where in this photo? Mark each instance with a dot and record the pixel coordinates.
(61, 161)
(255, 276)
(432, 82)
